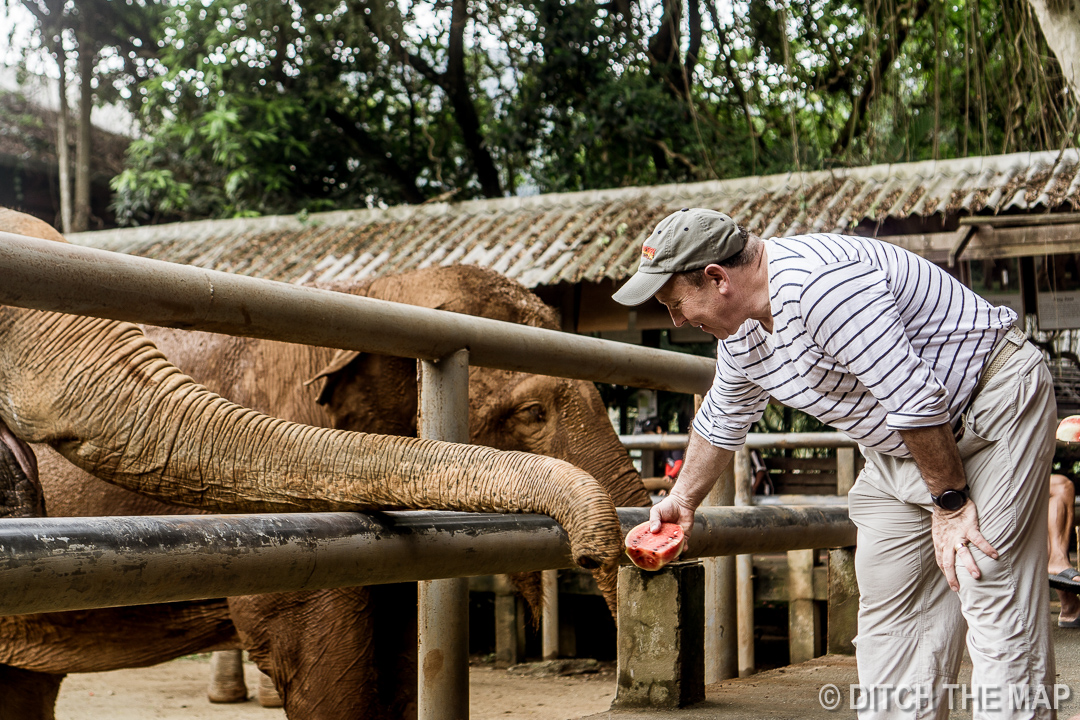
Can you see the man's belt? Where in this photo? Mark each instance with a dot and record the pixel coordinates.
(1005, 349)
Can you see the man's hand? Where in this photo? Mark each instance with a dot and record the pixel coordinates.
(673, 509)
(938, 459)
(952, 533)
(702, 467)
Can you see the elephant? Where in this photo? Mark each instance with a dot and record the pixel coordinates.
(101, 395)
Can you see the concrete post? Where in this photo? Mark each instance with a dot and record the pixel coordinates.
(843, 602)
(721, 638)
(744, 571)
(660, 637)
(444, 604)
(803, 613)
(549, 636)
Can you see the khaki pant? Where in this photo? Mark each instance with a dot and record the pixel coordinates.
(911, 625)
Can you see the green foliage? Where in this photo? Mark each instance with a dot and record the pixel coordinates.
(281, 107)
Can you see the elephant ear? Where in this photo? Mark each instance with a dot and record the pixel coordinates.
(328, 375)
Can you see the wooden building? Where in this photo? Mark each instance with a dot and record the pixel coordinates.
(28, 162)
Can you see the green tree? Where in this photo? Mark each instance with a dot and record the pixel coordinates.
(252, 108)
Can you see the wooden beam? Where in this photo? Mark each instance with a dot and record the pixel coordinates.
(990, 242)
(1021, 220)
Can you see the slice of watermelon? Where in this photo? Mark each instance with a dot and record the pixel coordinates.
(652, 551)
(1068, 430)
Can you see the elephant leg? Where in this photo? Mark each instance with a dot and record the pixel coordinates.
(27, 695)
(227, 677)
(269, 697)
(336, 654)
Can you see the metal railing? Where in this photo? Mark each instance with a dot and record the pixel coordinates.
(754, 441)
(54, 564)
(45, 275)
(51, 276)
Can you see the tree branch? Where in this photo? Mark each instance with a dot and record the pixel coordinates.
(454, 82)
(692, 50)
(457, 87)
(663, 49)
(856, 121)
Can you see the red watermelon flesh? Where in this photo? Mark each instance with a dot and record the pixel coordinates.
(1068, 430)
(652, 551)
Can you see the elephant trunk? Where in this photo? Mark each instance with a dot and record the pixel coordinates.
(622, 480)
(103, 395)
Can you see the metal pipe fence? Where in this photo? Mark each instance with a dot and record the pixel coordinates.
(45, 275)
(754, 441)
(54, 564)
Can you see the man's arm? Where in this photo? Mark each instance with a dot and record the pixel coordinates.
(935, 454)
(702, 465)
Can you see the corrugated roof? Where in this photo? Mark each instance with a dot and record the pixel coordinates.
(596, 235)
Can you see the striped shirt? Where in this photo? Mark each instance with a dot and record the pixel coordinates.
(868, 338)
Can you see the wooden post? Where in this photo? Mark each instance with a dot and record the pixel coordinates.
(845, 470)
(744, 572)
(661, 622)
(843, 602)
(803, 614)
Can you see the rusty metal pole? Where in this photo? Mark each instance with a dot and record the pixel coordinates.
(444, 604)
(721, 646)
(744, 570)
(58, 564)
(46, 275)
(549, 645)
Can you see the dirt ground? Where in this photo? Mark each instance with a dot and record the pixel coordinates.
(177, 691)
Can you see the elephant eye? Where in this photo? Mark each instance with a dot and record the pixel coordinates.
(532, 412)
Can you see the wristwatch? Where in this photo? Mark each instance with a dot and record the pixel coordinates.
(951, 500)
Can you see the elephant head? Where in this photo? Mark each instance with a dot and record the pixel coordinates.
(555, 417)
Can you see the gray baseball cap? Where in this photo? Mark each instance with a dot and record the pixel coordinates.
(688, 239)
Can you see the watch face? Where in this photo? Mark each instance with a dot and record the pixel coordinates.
(952, 500)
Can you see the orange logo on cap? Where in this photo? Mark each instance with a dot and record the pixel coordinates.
(648, 252)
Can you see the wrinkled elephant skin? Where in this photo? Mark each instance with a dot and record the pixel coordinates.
(100, 394)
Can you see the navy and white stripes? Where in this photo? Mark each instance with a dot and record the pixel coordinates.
(868, 338)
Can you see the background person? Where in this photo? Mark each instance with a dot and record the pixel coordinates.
(667, 463)
(1063, 577)
(899, 355)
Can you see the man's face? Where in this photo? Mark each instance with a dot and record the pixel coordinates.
(710, 307)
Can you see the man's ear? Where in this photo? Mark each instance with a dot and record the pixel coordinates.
(718, 275)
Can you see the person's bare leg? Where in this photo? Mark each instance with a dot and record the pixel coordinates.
(1062, 497)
